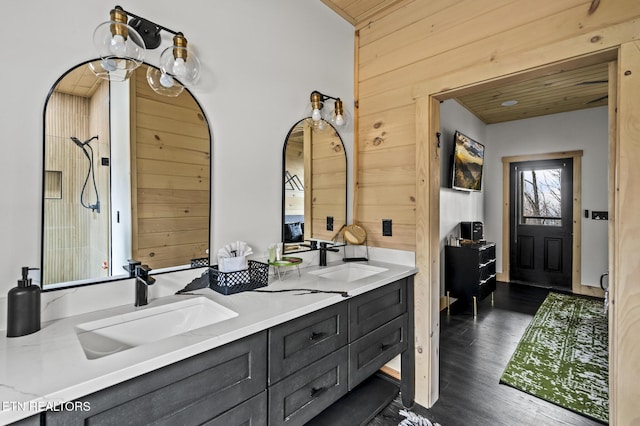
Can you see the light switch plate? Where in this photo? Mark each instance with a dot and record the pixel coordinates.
(599, 215)
(386, 228)
(329, 223)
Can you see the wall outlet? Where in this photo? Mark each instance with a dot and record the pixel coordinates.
(599, 215)
(329, 223)
(386, 227)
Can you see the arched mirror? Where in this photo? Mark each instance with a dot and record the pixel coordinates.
(126, 176)
(314, 190)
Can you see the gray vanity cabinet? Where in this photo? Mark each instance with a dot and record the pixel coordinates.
(325, 354)
(249, 413)
(29, 421)
(192, 391)
(298, 343)
(369, 353)
(308, 365)
(378, 330)
(287, 375)
(306, 393)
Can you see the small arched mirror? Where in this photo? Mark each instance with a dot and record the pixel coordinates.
(314, 185)
(126, 176)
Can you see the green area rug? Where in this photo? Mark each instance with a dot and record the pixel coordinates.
(563, 356)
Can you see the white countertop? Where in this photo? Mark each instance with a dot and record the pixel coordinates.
(49, 367)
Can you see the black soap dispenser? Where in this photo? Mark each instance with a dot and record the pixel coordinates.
(23, 307)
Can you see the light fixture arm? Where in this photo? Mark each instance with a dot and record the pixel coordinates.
(321, 98)
(148, 30)
(158, 26)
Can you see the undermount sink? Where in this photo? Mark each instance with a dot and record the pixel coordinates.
(121, 332)
(348, 272)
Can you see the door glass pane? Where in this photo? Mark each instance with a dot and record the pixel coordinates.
(541, 197)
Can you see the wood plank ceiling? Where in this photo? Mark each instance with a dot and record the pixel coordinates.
(79, 82)
(358, 12)
(566, 91)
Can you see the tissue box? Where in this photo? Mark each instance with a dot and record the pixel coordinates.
(255, 276)
(232, 264)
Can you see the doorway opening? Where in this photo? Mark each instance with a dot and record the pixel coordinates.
(427, 106)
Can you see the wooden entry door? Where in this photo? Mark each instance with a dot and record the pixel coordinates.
(541, 221)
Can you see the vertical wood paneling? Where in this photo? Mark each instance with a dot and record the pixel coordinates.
(171, 178)
(625, 304)
(614, 155)
(75, 239)
(99, 231)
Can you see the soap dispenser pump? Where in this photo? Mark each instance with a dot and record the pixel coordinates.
(23, 307)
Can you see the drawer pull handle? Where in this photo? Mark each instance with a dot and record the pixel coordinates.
(487, 280)
(482, 265)
(316, 336)
(316, 392)
(384, 347)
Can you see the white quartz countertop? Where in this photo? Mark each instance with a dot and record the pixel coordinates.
(48, 368)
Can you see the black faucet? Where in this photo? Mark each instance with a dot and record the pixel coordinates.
(323, 252)
(130, 267)
(143, 281)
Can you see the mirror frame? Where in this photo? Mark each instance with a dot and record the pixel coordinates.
(283, 171)
(90, 281)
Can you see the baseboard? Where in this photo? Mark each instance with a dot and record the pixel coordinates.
(587, 290)
(443, 302)
(391, 372)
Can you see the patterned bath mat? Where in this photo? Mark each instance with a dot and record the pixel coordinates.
(413, 419)
(563, 356)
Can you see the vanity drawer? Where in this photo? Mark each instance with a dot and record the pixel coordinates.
(369, 353)
(191, 391)
(370, 310)
(300, 342)
(303, 395)
(250, 413)
(29, 421)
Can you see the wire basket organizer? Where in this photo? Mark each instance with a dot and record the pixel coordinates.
(256, 276)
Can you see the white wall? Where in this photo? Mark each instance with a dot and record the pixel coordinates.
(457, 206)
(585, 130)
(261, 61)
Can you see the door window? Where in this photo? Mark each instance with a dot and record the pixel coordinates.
(540, 193)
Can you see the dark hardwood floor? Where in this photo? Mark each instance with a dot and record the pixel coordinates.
(473, 355)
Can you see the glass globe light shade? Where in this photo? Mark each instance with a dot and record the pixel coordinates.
(163, 84)
(180, 63)
(339, 116)
(316, 125)
(120, 48)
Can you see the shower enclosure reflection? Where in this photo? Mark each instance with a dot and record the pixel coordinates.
(130, 171)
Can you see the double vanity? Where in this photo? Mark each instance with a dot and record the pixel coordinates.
(282, 355)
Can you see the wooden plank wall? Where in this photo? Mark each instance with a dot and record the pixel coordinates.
(329, 178)
(172, 180)
(76, 240)
(425, 48)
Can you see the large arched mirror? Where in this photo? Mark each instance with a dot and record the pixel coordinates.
(314, 191)
(126, 176)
